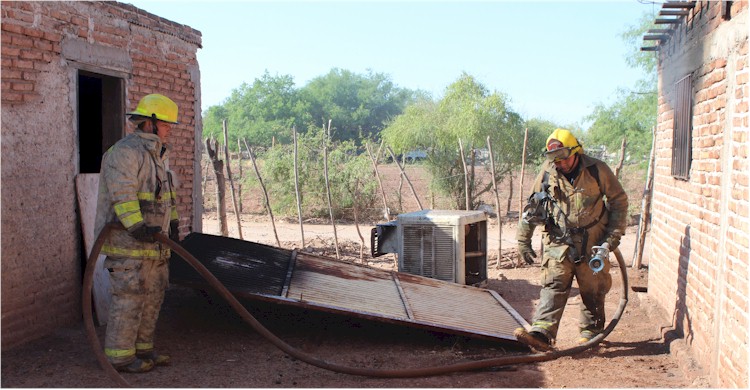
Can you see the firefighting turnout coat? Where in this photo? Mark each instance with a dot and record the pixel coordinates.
(594, 202)
(135, 188)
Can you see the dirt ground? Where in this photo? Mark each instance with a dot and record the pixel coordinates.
(212, 347)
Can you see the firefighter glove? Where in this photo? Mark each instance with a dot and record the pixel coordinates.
(613, 241)
(145, 233)
(174, 230)
(526, 253)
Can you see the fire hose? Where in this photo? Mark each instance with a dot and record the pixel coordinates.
(308, 358)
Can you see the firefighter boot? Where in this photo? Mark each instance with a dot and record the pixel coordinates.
(586, 336)
(157, 359)
(535, 340)
(135, 367)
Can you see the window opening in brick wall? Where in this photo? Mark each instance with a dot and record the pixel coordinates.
(101, 117)
(682, 137)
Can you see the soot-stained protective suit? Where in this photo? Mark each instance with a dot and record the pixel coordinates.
(589, 210)
(135, 188)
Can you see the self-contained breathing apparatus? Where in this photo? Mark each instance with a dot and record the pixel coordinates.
(542, 209)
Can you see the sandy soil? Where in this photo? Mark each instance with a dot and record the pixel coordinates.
(212, 347)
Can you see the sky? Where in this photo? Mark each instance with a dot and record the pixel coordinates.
(554, 60)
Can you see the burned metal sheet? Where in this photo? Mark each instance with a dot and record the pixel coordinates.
(243, 267)
(257, 271)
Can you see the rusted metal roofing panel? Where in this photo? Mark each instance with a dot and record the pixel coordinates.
(345, 286)
(257, 271)
(459, 307)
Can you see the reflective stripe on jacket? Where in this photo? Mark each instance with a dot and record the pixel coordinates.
(582, 203)
(132, 171)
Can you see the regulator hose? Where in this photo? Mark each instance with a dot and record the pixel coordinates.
(310, 359)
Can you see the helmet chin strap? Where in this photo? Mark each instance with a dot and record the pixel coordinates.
(153, 124)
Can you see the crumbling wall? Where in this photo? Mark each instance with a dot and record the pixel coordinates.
(44, 45)
(698, 268)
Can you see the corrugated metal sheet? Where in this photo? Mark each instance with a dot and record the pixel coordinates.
(257, 271)
(344, 286)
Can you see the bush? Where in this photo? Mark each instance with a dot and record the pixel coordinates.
(349, 172)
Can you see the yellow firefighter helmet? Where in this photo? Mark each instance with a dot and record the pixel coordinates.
(157, 105)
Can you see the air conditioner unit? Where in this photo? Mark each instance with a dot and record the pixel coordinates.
(448, 245)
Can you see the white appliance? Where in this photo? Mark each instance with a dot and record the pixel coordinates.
(448, 245)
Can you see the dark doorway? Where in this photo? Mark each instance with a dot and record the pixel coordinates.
(100, 117)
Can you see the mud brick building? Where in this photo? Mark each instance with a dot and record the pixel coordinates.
(700, 235)
(70, 70)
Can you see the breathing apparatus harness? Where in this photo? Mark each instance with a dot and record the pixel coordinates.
(153, 124)
(543, 209)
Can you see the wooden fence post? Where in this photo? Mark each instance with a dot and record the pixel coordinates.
(296, 187)
(265, 192)
(523, 168)
(218, 166)
(374, 161)
(466, 175)
(645, 205)
(231, 181)
(403, 172)
(205, 176)
(497, 205)
(356, 222)
(328, 190)
(239, 175)
(618, 168)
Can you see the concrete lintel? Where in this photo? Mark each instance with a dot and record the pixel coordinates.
(101, 57)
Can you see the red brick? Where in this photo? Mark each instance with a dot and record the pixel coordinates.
(11, 27)
(31, 54)
(22, 86)
(11, 51)
(79, 21)
(63, 16)
(23, 64)
(32, 32)
(27, 17)
(12, 97)
(43, 45)
(23, 41)
(52, 36)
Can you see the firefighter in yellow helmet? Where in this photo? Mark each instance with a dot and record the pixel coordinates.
(581, 204)
(136, 191)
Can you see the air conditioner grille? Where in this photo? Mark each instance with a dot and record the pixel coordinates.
(429, 251)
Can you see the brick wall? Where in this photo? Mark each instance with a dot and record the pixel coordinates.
(44, 44)
(700, 254)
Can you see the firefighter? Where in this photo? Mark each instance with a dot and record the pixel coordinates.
(136, 191)
(580, 203)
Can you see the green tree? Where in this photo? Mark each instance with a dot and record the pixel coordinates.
(260, 112)
(357, 105)
(471, 113)
(647, 61)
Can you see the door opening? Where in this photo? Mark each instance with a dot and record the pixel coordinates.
(101, 117)
(101, 123)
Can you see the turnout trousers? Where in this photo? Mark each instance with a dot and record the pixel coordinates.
(138, 288)
(557, 280)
